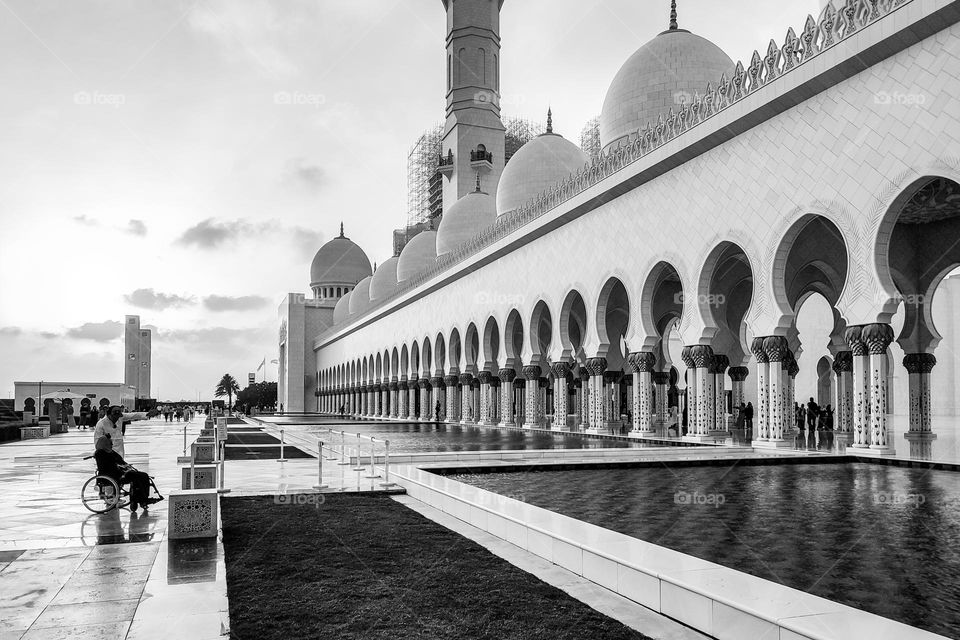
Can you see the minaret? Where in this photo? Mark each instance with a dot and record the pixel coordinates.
(473, 98)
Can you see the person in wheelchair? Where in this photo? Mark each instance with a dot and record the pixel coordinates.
(110, 464)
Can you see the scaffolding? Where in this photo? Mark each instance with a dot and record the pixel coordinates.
(519, 132)
(422, 161)
(590, 138)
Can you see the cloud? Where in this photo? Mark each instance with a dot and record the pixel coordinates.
(98, 331)
(210, 234)
(10, 331)
(150, 299)
(306, 240)
(85, 221)
(230, 303)
(217, 339)
(136, 227)
(298, 173)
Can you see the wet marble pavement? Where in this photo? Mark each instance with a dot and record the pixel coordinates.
(69, 573)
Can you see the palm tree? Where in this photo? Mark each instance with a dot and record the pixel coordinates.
(227, 387)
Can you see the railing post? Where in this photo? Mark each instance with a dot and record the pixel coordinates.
(320, 484)
(184, 439)
(359, 466)
(373, 471)
(386, 465)
(223, 465)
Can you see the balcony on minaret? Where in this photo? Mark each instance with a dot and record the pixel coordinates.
(445, 163)
(481, 160)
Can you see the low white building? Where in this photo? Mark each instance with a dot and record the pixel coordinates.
(28, 392)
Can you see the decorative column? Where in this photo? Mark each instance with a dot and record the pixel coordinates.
(424, 385)
(560, 372)
(507, 376)
(661, 383)
(450, 382)
(413, 387)
(403, 398)
(542, 384)
(363, 400)
(436, 396)
(585, 401)
(762, 412)
(641, 365)
(919, 366)
(737, 376)
(877, 338)
(702, 401)
(779, 414)
(860, 386)
(720, 364)
(484, 378)
(466, 399)
(792, 370)
(384, 397)
(531, 374)
(843, 368)
(596, 367)
(691, 395)
(394, 398)
(494, 400)
(577, 403)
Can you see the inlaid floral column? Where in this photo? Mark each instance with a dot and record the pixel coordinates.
(762, 428)
(877, 338)
(394, 397)
(507, 376)
(792, 370)
(776, 349)
(424, 384)
(843, 368)
(737, 377)
(720, 364)
(585, 401)
(413, 392)
(383, 391)
(484, 377)
(560, 371)
(531, 374)
(860, 386)
(641, 365)
(494, 400)
(466, 398)
(691, 403)
(919, 366)
(403, 396)
(701, 401)
(661, 383)
(437, 393)
(450, 382)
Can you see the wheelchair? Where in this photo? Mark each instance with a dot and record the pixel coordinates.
(101, 494)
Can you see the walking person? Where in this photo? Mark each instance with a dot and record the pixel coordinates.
(748, 416)
(436, 411)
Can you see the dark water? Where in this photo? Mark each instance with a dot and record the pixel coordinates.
(882, 539)
(418, 437)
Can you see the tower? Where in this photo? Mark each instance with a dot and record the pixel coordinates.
(473, 135)
(146, 364)
(131, 361)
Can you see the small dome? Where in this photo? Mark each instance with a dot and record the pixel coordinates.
(384, 280)
(662, 73)
(419, 254)
(360, 297)
(339, 261)
(537, 166)
(342, 311)
(468, 216)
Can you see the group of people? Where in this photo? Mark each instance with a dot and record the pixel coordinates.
(178, 413)
(818, 420)
(89, 417)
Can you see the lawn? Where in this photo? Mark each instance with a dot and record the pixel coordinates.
(365, 566)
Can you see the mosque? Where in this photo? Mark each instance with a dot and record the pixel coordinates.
(662, 281)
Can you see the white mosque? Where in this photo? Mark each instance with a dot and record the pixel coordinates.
(666, 277)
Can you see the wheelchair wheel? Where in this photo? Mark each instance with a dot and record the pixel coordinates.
(101, 494)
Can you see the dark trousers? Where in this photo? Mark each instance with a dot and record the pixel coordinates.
(139, 487)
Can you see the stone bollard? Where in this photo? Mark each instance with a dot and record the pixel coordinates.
(204, 476)
(192, 514)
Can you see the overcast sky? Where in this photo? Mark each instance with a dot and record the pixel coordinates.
(150, 168)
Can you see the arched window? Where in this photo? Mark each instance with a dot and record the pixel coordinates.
(482, 71)
(461, 66)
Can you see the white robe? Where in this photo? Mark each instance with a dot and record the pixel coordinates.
(106, 427)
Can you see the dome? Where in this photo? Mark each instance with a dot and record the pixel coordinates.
(419, 254)
(468, 216)
(360, 297)
(342, 311)
(384, 280)
(339, 261)
(668, 69)
(537, 166)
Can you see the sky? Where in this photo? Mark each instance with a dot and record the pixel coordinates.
(183, 160)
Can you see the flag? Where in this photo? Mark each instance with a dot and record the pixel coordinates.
(262, 363)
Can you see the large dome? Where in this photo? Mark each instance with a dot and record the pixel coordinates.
(419, 254)
(653, 80)
(384, 280)
(537, 166)
(360, 297)
(339, 262)
(468, 216)
(342, 311)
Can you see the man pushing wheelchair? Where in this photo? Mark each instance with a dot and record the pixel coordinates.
(113, 466)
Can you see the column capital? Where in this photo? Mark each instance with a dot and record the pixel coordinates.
(661, 377)
(543, 383)
(738, 374)
(919, 362)
(641, 361)
(854, 338)
(720, 364)
(384, 386)
(776, 349)
(531, 371)
(756, 347)
(423, 383)
(451, 380)
(436, 381)
(399, 385)
(686, 357)
(793, 368)
(484, 377)
(466, 378)
(878, 337)
(560, 370)
(843, 362)
(596, 366)
(701, 355)
(612, 376)
(507, 375)
(582, 373)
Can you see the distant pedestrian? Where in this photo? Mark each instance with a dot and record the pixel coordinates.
(748, 415)
(436, 411)
(813, 410)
